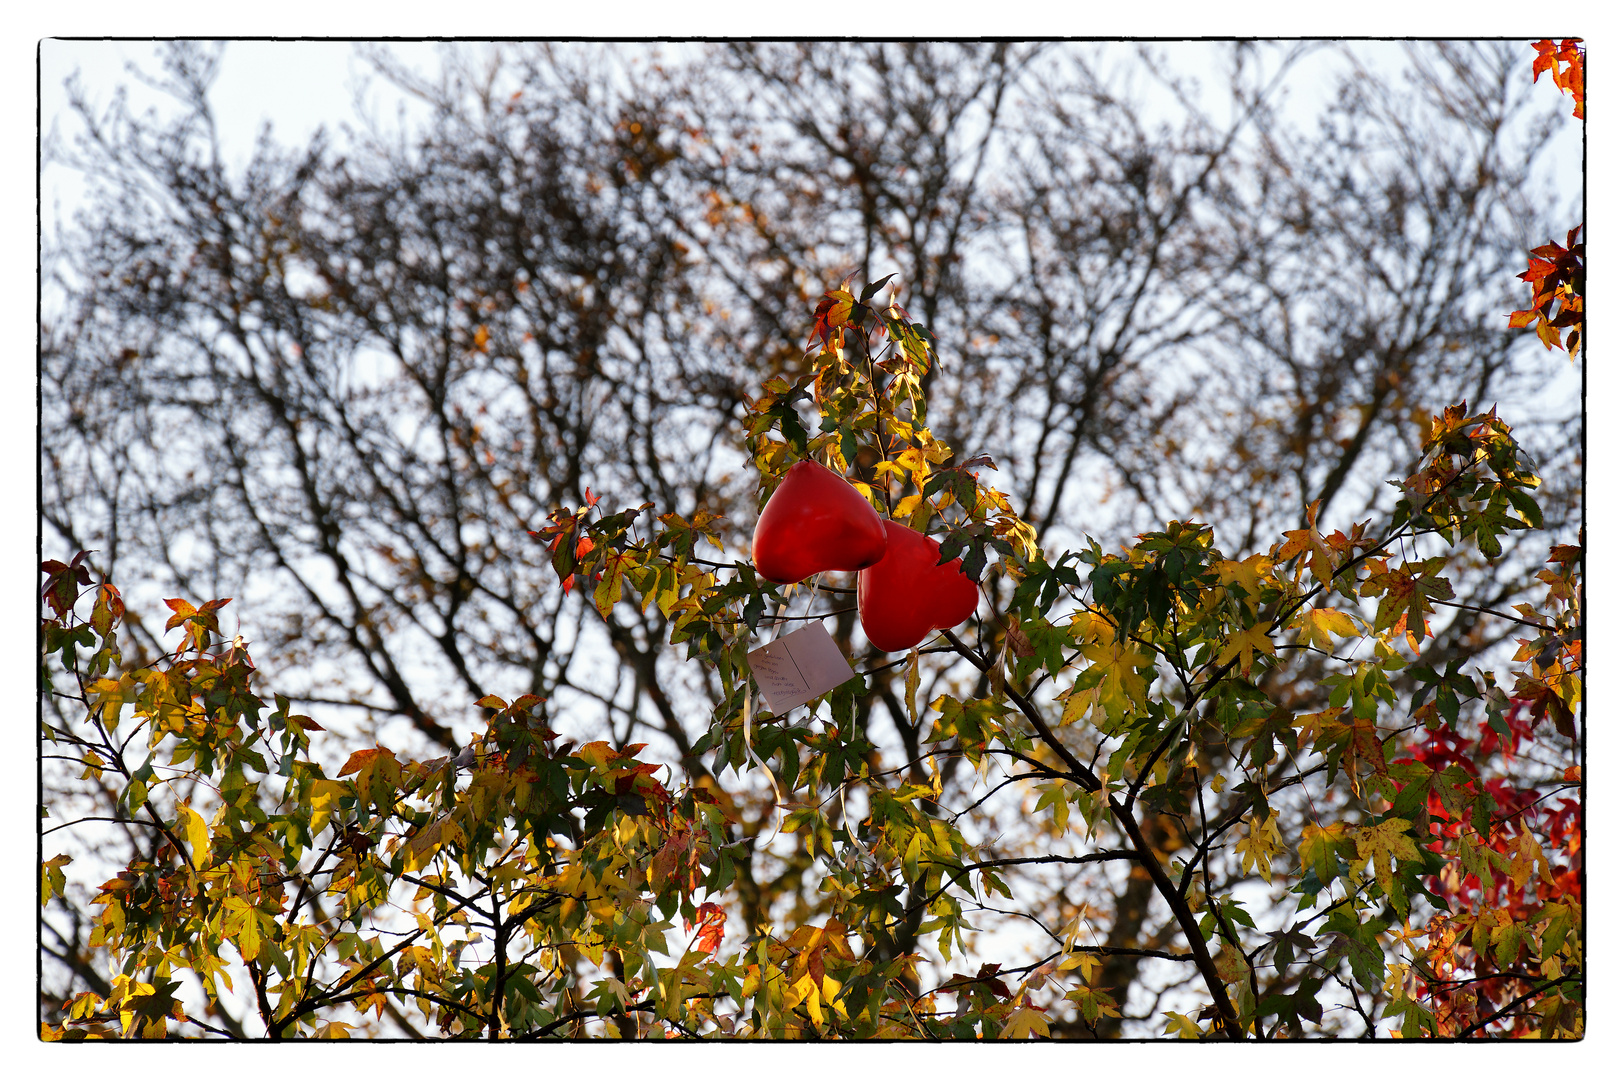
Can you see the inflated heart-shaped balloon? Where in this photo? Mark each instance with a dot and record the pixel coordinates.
(905, 595)
(815, 521)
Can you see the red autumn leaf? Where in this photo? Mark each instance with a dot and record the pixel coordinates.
(1565, 63)
(986, 976)
(833, 312)
(712, 925)
(1545, 59)
(60, 591)
(1565, 554)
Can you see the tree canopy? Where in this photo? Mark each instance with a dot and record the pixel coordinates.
(1267, 722)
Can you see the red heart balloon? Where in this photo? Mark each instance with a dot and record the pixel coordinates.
(815, 521)
(905, 595)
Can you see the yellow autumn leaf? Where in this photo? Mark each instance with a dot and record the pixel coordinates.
(323, 801)
(1317, 624)
(1123, 685)
(196, 831)
(1248, 574)
(831, 995)
(1086, 965)
(1259, 846)
(912, 460)
(422, 846)
(1185, 1026)
(1246, 644)
(1384, 842)
(1027, 1022)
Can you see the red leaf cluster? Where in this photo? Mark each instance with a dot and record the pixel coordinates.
(1517, 809)
(712, 924)
(1556, 275)
(1565, 63)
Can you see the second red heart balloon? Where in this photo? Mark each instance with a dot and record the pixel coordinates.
(905, 595)
(815, 521)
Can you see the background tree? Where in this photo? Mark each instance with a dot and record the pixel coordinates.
(343, 386)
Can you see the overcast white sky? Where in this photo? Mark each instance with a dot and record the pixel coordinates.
(296, 86)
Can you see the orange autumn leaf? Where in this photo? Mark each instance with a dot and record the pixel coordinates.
(712, 925)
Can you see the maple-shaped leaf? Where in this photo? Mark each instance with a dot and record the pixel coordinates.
(1244, 644)
(833, 312)
(1308, 540)
(1361, 742)
(152, 1003)
(1185, 1027)
(182, 609)
(1408, 589)
(1384, 843)
(1116, 681)
(1544, 700)
(1028, 1022)
(678, 850)
(1555, 275)
(1320, 846)
(1258, 848)
(1092, 1004)
(62, 581)
(1248, 575)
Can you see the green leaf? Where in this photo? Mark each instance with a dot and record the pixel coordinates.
(1318, 849)
(873, 287)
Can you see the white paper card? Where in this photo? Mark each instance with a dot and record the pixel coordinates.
(798, 667)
